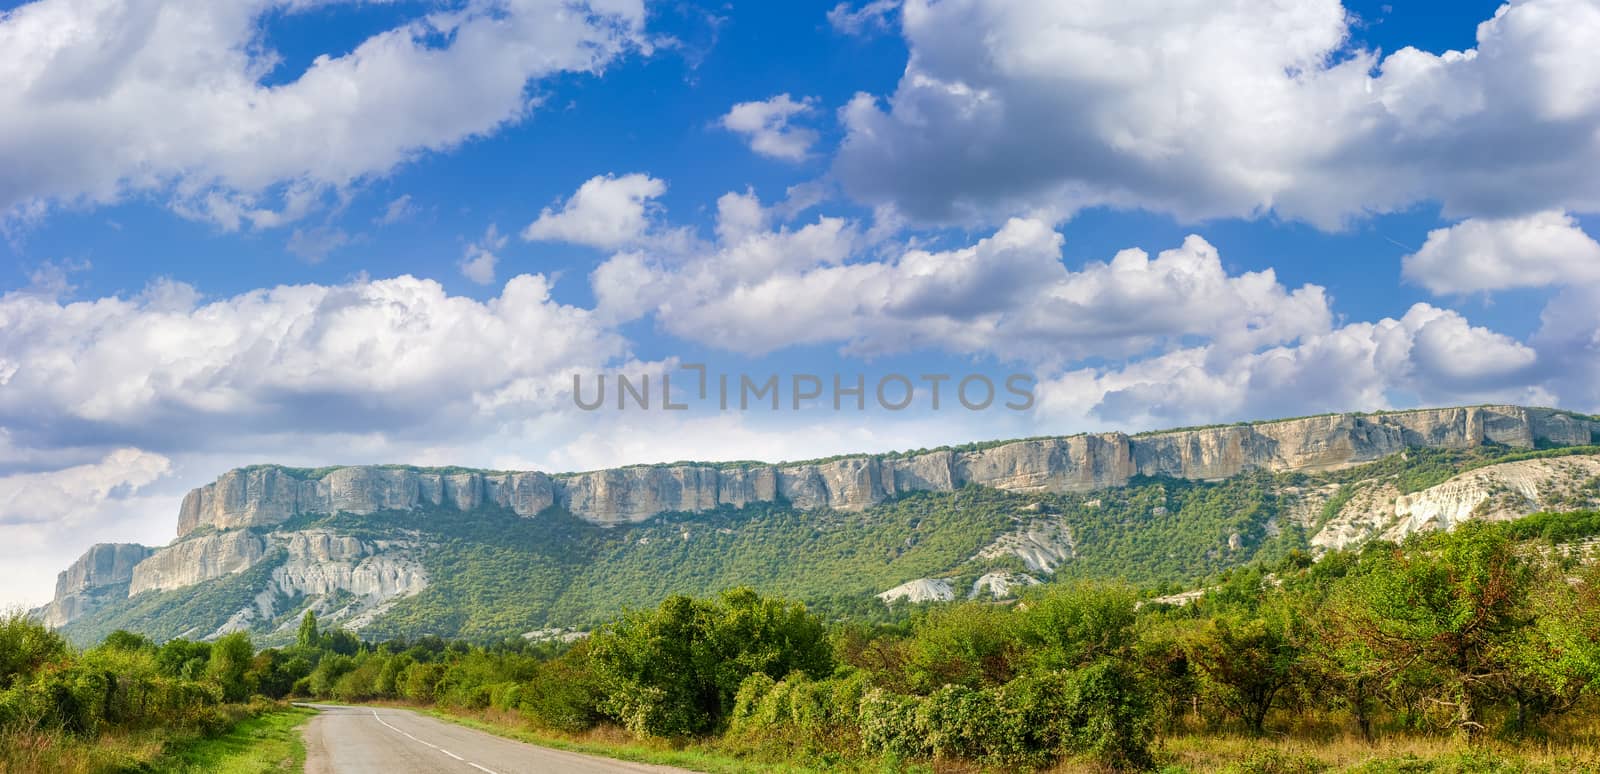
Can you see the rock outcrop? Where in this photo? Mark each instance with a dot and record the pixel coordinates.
(920, 590)
(103, 572)
(1000, 585)
(1501, 492)
(1042, 545)
(197, 559)
(268, 495)
(322, 562)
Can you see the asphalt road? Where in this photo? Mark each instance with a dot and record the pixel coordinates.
(382, 740)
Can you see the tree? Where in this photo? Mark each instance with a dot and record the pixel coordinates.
(1246, 662)
(230, 662)
(183, 659)
(676, 670)
(1071, 627)
(25, 646)
(124, 640)
(1446, 613)
(307, 636)
(972, 645)
(1556, 660)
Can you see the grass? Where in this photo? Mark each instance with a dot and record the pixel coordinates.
(1241, 754)
(264, 742)
(55, 752)
(268, 742)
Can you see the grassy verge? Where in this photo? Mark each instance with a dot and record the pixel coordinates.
(265, 741)
(269, 742)
(1390, 755)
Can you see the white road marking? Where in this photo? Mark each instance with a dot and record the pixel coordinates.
(376, 717)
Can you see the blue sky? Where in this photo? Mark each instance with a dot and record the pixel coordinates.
(328, 231)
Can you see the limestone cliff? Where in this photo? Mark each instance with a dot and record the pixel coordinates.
(102, 572)
(1501, 492)
(267, 495)
(234, 523)
(347, 580)
(197, 559)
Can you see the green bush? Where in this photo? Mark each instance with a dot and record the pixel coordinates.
(888, 724)
(562, 696)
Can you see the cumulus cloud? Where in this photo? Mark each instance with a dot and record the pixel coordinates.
(1223, 109)
(54, 278)
(163, 369)
(45, 516)
(480, 259)
(1569, 340)
(109, 98)
(1429, 356)
(870, 17)
(762, 287)
(1546, 248)
(606, 211)
(765, 124)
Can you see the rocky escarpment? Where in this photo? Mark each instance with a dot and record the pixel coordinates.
(102, 573)
(345, 580)
(1502, 492)
(268, 495)
(234, 523)
(197, 559)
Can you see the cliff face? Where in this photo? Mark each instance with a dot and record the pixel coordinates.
(100, 572)
(214, 543)
(268, 495)
(199, 558)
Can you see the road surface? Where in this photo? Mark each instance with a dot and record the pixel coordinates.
(383, 740)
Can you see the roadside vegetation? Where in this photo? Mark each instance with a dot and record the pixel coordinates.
(128, 705)
(1476, 650)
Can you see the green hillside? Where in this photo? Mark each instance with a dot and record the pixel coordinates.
(493, 574)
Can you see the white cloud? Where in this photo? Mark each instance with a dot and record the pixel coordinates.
(1546, 248)
(1429, 356)
(760, 289)
(54, 278)
(315, 244)
(399, 209)
(606, 211)
(399, 356)
(479, 261)
(1569, 341)
(47, 518)
(1221, 109)
(108, 98)
(870, 17)
(765, 124)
